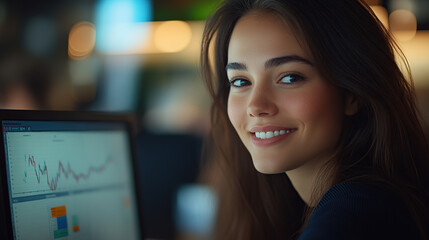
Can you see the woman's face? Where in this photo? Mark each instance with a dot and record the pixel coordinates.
(285, 113)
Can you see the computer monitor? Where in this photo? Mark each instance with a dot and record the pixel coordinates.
(68, 175)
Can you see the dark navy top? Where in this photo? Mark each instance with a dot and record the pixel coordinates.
(354, 210)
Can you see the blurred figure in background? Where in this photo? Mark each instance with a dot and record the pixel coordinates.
(25, 82)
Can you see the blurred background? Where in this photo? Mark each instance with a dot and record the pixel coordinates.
(142, 56)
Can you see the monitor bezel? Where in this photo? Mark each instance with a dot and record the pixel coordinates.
(126, 118)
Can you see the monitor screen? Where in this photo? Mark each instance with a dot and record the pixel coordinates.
(70, 180)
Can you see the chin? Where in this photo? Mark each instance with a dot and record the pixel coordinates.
(267, 167)
(273, 166)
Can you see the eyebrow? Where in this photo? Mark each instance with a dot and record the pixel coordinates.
(273, 62)
(235, 66)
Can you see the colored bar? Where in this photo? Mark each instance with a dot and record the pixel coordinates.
(62, 222)
(61, 233)
(74, 220)
(58, 211)
(76, 228)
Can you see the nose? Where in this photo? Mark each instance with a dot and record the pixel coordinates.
(262, 103)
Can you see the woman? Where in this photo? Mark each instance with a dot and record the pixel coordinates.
(314, 127)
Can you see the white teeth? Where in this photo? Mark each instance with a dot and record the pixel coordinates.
(270, 134)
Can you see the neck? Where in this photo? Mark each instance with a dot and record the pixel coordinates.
(303, 179)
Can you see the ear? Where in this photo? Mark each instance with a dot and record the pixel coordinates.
(351, 106)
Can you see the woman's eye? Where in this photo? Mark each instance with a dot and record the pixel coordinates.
(239, 83)
(291, 78)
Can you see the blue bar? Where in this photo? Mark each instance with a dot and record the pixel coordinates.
(62, 222)
(39, 197)
(62, 194)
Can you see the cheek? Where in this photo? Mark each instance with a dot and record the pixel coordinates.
(236, 111)
(318, 105)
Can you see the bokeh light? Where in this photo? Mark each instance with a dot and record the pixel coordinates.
(172, 36)
(403, 24)
(81, 40)
(119, 25)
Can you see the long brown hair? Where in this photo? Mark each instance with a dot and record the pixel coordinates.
(383, 143)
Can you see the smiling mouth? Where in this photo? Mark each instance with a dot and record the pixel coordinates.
(272, 134)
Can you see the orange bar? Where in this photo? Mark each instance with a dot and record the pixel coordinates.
(76, 228)
(58, 211)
